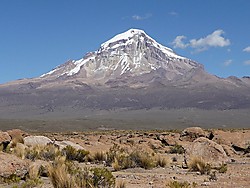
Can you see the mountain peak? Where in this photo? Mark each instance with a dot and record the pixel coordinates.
(131, 54)
(124, 36)
(136, 35)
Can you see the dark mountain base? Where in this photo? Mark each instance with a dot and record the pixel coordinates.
(134, 120)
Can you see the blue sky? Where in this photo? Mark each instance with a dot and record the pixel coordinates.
(38, 35)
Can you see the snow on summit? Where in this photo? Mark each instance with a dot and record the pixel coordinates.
(123, 36)
(127, 36)
(132, 52)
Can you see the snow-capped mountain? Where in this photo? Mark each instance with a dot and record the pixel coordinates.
(129, 71)
(129, 54)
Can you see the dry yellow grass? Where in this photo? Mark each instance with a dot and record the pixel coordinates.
(59, 175)
(199, 165)
(121, 184)
(19, 150)
(162, 161)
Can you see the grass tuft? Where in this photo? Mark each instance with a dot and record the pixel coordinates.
(177, 184)
(198, 165)
(177, 149)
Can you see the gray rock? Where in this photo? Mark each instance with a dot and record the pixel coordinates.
(10, 164)
(4, 140)
(36, 140)
(63, 144)
(208, 150)
(4, 137)
(192, 133)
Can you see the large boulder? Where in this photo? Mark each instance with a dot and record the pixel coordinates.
(208, 150)
(63, 144)
(169, 140)
(36, 140)
(4, 139)
(192, 133)
(240, 138)
(16, 133)
(11, 164)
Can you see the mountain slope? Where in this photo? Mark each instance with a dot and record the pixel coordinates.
(129, 71)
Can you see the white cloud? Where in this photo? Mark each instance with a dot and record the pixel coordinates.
(173, 13)
(228, 62)
(247, 62)
(178, 42)
(138, 17)
(247, 49)
(212, 40)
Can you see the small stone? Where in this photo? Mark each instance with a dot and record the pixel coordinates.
(206, 184)
(198, 173)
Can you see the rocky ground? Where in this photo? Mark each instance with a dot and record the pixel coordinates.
(223, 157)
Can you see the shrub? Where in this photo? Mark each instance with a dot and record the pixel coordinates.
(65, 174)
(58, 173)
(120, 158)
(30, 183)
(100, 156)
(177, 149)
(161, 161)
(34, 171)
(69, 152)
(114, 152)
(83, 177)
(185, 184)
(19, 151)
(102, 177)
(121, 184)
(142, 159)
(47, 153)
(32, 153)
(222, 168)
(80, 155)
(13, 178)
(116, 165)
(74, 155)
(198, 165)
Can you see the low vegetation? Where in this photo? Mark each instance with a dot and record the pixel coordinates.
(65, 174)
(161, 161)
(13, 178)
(177, 184)
(120, 158)
(74, 155)
(77, 168)
(46, 153)
(121, 184)
(178, 149)
(199, 165)
(100, 156)
(222, 168)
